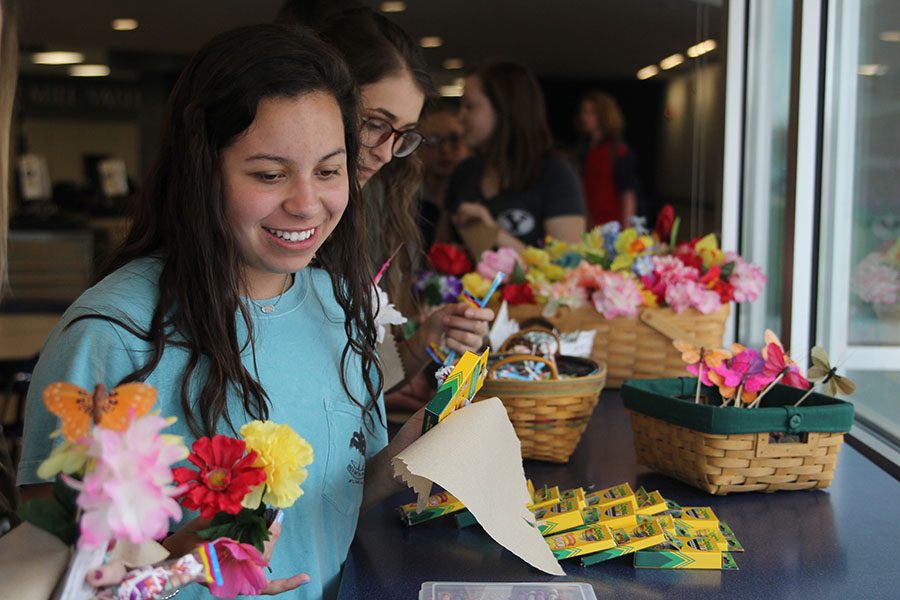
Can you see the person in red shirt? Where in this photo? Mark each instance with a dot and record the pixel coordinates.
(608, 167)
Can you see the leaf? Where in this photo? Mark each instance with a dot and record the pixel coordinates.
(673, 235)
(518, 274)
(248, 527)
(55, 515)
(727, 269)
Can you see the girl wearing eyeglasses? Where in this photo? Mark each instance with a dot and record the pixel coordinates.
(513, 182)
(394, 83)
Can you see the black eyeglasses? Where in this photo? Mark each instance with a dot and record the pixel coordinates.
(374, 132)
(436, 141)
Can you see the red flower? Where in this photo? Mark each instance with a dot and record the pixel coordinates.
(224, 478)
(664, 222)
(518, 293)
(449, 259)
(725, 291)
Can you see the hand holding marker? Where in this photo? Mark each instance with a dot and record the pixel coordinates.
(447, 359)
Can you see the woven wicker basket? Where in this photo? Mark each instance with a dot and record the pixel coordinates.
(725, 450)
(550, 415)
(642, 347)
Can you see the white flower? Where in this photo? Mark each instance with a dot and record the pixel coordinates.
(384, 312)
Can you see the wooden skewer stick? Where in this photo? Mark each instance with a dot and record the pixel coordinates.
(756, 402)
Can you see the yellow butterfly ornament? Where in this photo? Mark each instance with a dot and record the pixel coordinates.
(823, 373)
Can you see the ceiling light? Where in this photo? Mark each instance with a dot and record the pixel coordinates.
(670, 62)
(648, 72)
(701, 48)
(453, 63)
(393, 7)
(431, 41)
(57, 58)
(124, 24)
(89, 71)
(451, 91)
(872, 70)
(890, 36)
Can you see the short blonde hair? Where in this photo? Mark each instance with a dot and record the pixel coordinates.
(609, 115)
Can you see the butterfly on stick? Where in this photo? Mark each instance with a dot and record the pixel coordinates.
(702, 357)
(823, 373)
(78, 409)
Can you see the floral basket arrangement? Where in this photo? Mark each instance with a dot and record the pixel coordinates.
(749, 421)
(876, 281)
(116, 491)
(637, 288)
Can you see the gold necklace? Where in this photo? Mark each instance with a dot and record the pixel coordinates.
(269, 308)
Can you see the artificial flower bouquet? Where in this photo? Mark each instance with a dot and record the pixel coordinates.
(876, 281)
(618, 272)
(117, 491)
(700, 430)
(440, 284)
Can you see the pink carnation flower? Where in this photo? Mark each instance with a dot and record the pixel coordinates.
(876, 282)
(747, 279)
(618, 296)
(504, 260)
(242, 569)
(690, 294)
(129, 493)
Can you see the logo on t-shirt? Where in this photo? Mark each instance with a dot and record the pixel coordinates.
(357, 469)
(516, 221)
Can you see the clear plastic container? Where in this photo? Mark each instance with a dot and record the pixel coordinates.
(470, 590)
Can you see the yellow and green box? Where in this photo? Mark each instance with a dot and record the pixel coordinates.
(646, 534)
(685, 552)
(565, 516)
(649, 503)
(611, 495)
(458, 389)
(542, 497)
(440, 504)
(696, 517)
(619, 516)
(581, 541)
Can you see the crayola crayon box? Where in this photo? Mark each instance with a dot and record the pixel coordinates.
(619, 516)
(696, 517)
(581, 541)
(649, 503)
(542, 497)
(685, 552)
(611, 495)
(568, 514)
(646, 534)
(440, 504)
(458, 389)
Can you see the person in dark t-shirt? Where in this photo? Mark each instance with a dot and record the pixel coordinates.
(513, 181)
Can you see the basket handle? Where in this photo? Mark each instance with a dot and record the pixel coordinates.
(505, 346)
(661, 323)
(554, 374)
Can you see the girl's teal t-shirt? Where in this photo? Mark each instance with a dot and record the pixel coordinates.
(298, 362)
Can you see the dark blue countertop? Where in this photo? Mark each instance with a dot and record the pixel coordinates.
(843, 542)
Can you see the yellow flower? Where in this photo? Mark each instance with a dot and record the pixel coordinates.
(67, 458)
(649, 298)
(708, 250)
(475, 284)
(592, 241)
(535, 257)
(554, 272)
(892, 256)
(536, 277)
(556, 248)
(284, 455)
(629, 246)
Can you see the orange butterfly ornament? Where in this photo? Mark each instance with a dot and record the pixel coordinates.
(78, 409)
(691, 354)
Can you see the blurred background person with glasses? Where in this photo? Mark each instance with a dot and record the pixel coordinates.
(441, 152)
(394, 83)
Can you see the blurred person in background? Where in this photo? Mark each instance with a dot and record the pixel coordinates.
(608, 166)
(513, 182)
(441, 152)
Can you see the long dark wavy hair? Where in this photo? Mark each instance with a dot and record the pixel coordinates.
(521, 137)
(376, 48)
(180, 215)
